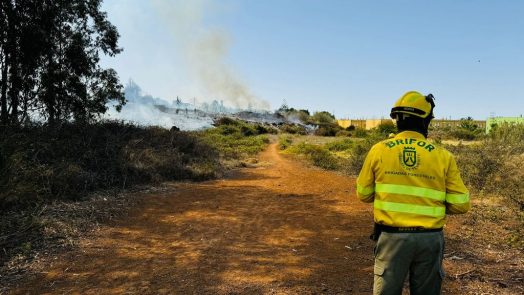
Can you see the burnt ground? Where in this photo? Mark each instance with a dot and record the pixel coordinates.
(278, 228)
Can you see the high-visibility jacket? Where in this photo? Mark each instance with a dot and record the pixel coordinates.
(412, 182)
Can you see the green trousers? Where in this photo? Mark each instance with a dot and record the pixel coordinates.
(417, 254)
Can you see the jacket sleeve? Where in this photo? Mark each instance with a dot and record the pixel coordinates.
(457, 195)
(366, 178)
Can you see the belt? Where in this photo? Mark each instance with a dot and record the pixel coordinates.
(414, 229)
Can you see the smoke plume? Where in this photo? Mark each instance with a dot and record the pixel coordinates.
(205, 50)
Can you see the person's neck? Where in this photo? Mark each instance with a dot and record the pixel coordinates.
(418, 130)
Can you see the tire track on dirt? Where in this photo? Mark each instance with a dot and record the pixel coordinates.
(279, 228)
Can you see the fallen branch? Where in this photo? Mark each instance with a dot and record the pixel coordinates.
(464, 273)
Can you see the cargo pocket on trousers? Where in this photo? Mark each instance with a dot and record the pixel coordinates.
(378, 281)
(378, 270)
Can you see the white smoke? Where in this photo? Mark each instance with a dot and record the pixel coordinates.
(148, 115)
(144, 109)
(205, 50)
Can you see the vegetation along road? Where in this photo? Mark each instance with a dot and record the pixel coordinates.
(281, 227)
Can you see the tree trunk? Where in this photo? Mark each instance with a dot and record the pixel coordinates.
(15, 86)
(3, 99)
(50, 93)
(12, 48)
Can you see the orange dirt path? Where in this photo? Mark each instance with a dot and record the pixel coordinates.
(280, 228)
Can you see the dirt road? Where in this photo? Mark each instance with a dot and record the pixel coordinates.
(279, 228)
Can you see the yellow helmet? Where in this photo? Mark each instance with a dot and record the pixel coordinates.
(414, 103)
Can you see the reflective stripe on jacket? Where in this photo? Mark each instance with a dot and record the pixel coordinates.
(411, 182)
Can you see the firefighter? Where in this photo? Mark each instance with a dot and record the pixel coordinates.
(412, 184)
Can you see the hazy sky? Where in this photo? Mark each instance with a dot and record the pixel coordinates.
(353, 58)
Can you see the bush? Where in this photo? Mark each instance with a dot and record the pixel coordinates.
(387, 128)
(465, 134)
(248, 130)
(261, 129)
(361, 132)
(340, 145)
(343, 133)
(284, 142)
(323, 159)
(235, 145)
(508, 133)
(439, 133)
(40, 163)
(294, 115)
(227, 121)
(293, 129)
(493, 166)
(228, 129)
(327, 130)
(318, 155)
(358, 155)
(478, 164)
(323, 118)
(230, 126)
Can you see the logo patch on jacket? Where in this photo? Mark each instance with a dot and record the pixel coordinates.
(409, 158)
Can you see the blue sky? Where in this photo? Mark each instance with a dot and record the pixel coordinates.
(353, 58)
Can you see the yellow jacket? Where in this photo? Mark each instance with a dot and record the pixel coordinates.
(411, 182)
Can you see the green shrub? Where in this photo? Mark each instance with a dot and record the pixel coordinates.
(235, 145)
(358, 155)
(293, 114)
(323, 118)
(468, 124)
(227, 121)
(284, 142)
(324, 159)
(387, 128)
(293, 129)
(238, 128)
(343, 133)
(228, 129)
(248, 130)
(508, 133)
(361, 132)
(494, 165)
(478, 163)
(261, 129)
(465, 134)
(466, 130)
(318, 155)
(327, 130)
(340, 145)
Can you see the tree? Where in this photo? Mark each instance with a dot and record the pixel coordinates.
(387, 127)
(50, 53)
(468, 124)
(323, 118)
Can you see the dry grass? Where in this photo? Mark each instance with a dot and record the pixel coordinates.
(456, 142)
(483, 254)
(58, 184)
(34, 234)
(39, 163)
